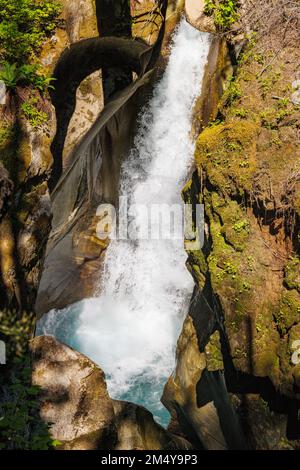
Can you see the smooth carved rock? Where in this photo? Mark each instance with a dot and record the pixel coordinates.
(194, 10)
(180, 395)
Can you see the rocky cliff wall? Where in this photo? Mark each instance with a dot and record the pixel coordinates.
(245, 310)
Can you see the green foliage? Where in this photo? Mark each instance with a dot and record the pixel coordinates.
(24, 26)
(248, 52)
(292, 276)
(271, 117)
(240, 112)
(240, 226)
(16, 331)
(231, 269)
(20, 425)
(36, 117)
(215, 123)
(9, 74)
(27, 74)
(224, 12)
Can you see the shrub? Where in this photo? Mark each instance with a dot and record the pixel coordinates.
(224, 12)
(232, 92)
(20, 425)
(24, 26)
(36, 117)
(27, 74)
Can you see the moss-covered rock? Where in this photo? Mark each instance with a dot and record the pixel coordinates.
(213, 353)
(292, 273)
(248, 180)
(227, 153)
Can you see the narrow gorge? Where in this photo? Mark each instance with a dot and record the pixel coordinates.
(180, 329)
(131, 329)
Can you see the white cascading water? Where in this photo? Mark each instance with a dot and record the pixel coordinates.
(131, 329)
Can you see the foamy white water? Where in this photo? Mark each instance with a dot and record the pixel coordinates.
(131, 329)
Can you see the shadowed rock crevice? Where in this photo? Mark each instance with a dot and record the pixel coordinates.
(114, 19)
(93, 171)
(78, 62)
(116, 55)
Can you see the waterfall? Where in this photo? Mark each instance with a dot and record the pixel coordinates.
(132, 327)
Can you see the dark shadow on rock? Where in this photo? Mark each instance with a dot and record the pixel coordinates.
(75, 64)
(212, 388)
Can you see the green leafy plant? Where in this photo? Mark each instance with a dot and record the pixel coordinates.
(9, 74)
(224, 12)
(24, 27)
(27, 74)
(240, 112)
(20, 425)
(232, 93)
(36, 117)
(241, 225)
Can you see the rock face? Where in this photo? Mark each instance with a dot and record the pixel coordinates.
(194, 10)
(25, 154)
(74, 396)
(247, 272)
(196, 396)
(75, 400)
(137, 430)
(26, 157)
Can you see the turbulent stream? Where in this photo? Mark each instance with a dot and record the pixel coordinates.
(131, 328)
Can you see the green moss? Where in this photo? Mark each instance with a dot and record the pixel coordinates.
(224, 12)
(213, 353)
(288, 313)
(197, 258)
(271, 117)
(232, 93)
(220, 261)
(9, 142)
(197, 265)
(187, 192)
(267, 362)
(240, 112)
(267, 82)
(227, 153)
(292, 274)
(235, 226)
(241, 162)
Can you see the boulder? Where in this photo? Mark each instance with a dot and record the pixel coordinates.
(74, 396)
(194, 10)
(82, 416)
